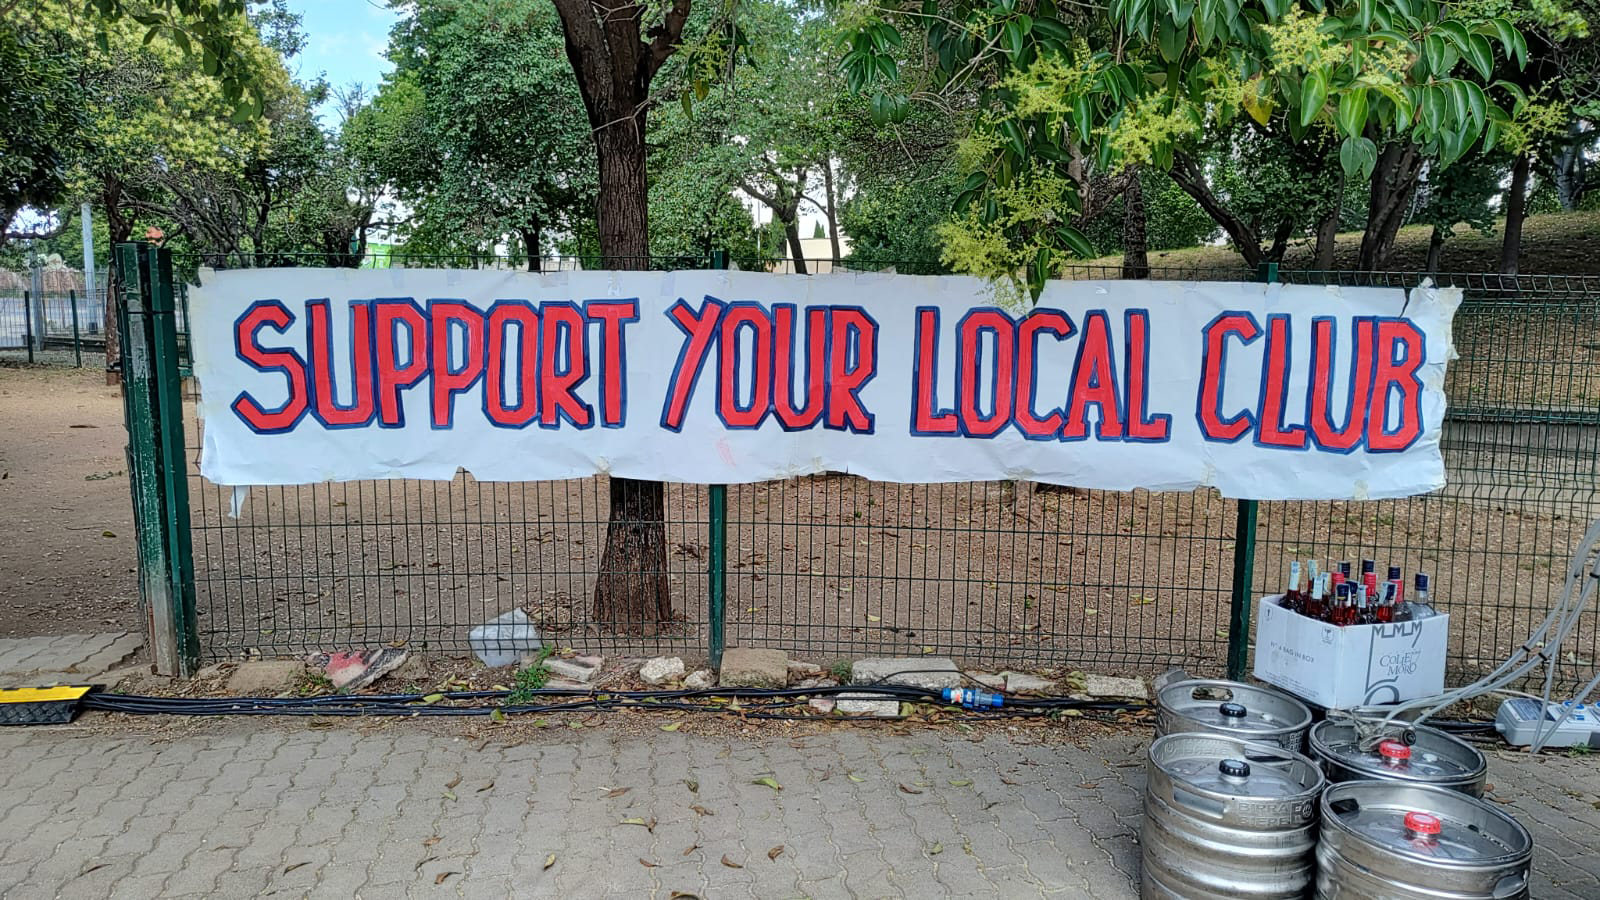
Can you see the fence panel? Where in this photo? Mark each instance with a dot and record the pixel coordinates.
(993, 574)
(1522, 454)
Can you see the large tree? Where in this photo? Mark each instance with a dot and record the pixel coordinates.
(616, 50)
(1392, 83)
(480, 128)
(43, 121)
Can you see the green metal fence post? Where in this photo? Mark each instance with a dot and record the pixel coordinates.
(27, 322)
(77, 342)
(717, 576)
(1244, 559)
(157, 469)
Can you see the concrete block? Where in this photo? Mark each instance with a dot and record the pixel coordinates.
(1101, 686)
(992, 682)
(568, 668)
(931, 673)
(1022, 683)
(264, 677)
(804, 669)
(748, 667)
(866, 704)
(661, 670)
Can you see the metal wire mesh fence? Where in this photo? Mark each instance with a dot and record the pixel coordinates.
(994, 574)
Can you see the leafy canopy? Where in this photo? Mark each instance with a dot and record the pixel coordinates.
(1065, 98)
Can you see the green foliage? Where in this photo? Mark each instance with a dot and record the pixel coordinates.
(1173, 219)
(1463, 194)
(1152, 80)
(480, 128)
(530, 679)
(44, 117)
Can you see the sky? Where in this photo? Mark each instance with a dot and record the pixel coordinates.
(345, 40)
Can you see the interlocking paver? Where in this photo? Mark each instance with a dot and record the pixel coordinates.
(237, 809)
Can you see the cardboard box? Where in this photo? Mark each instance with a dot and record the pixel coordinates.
(1357, 665)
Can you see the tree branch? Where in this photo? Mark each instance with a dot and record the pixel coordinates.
(1186, 172)
(666, 37)
(589, 53)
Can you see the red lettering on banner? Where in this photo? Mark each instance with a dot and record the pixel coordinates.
(700, 328)
(969, 352)
(1141, 427)
(501, 317)
(319, 353)
(388, 317)
(1051, 322)
(1320, 414)
(269, 314)
(563, 365)
(1212, 371)
(447, 318)
(1275, 386)
(853, 361)
(816, 362)
(613, 315)
(1094, 381)
(925, 419)
(751, 318)
(1396, 337)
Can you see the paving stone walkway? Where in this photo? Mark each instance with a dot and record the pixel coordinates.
(255, 807)
(32, 661)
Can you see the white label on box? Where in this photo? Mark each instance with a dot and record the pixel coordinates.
(1355, 665)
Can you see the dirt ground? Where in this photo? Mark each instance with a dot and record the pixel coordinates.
(67, 560)
(825, 567)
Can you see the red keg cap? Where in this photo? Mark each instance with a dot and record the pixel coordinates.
(1394, 750)
(1422, 823)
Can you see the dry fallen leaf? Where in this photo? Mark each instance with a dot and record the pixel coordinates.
(683, 895)
(673, 727)
(647, 863)
(959, 783)
(854, 777)
(486, 787)
(692, 785)
(617, 792)
(439, 878)
(292, 866)
(431, 841)
(690, 849)
(730, 863)
(451, 784)
(1005, 780)
(775, 852)
(701, 809)
(633, 822)
(549, 860)
(936, 849)
(907, 789)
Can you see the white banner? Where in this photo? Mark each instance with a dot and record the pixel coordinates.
(1263, 391)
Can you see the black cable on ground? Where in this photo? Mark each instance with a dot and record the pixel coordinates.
(763, 703)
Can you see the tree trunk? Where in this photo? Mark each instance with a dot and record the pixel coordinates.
(1394, 181)
(632, 593)
(1328, 228)
(1435, 250)
(1570, 168)
(832, 210)
(1516, 211)
(530, 239)
(1135, 231)
(1187, 174)
(120, 229)
(791, 231)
